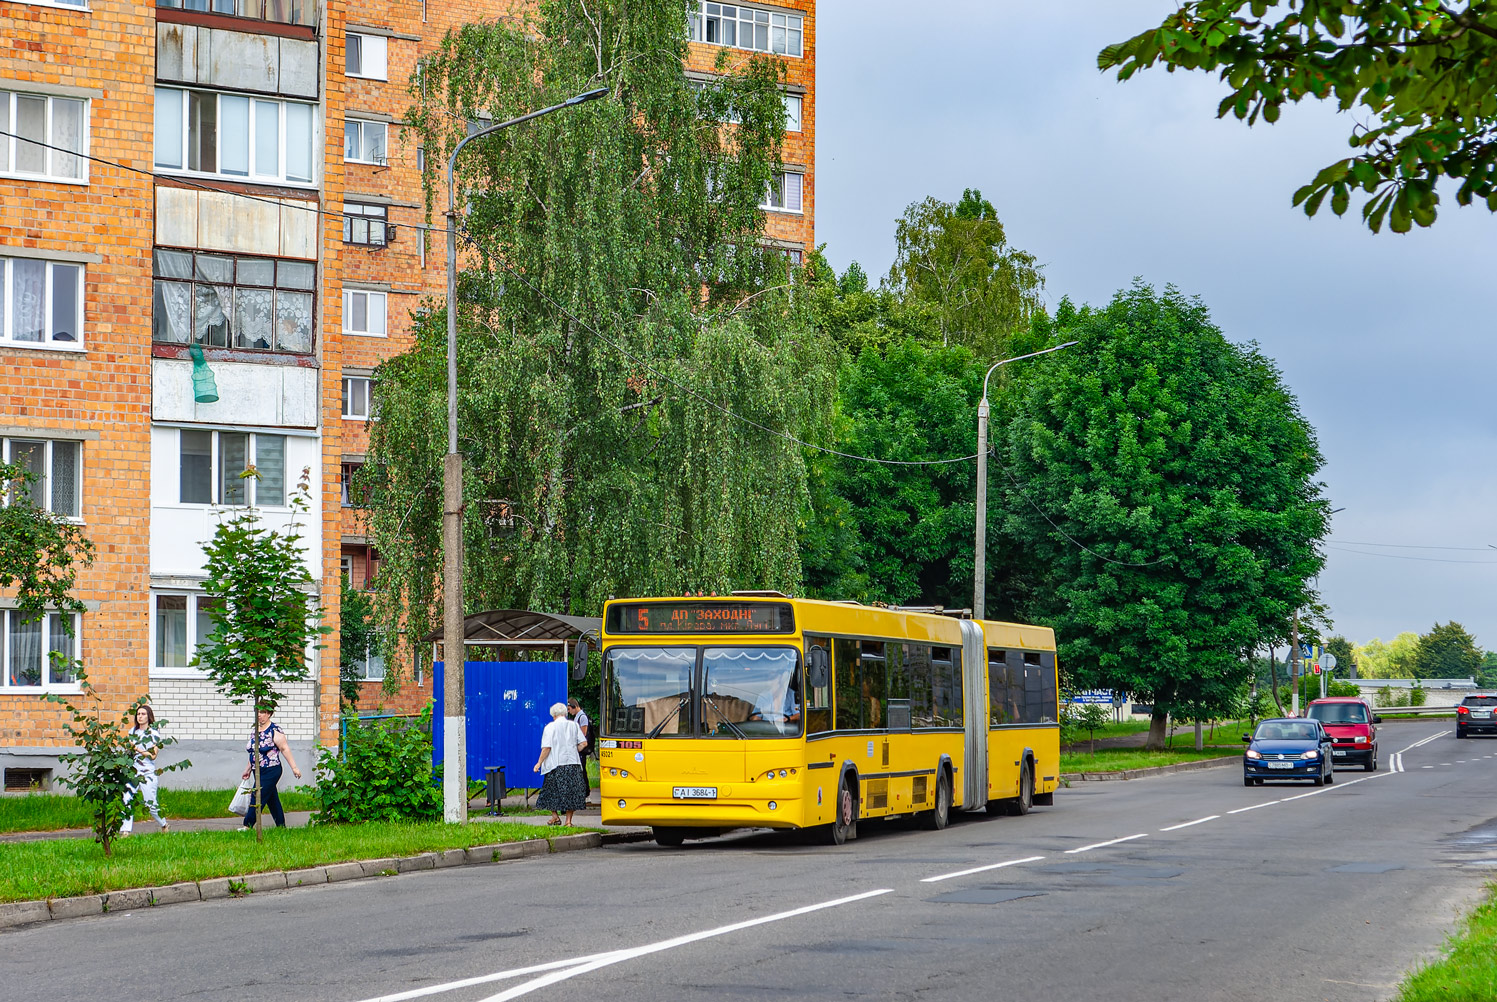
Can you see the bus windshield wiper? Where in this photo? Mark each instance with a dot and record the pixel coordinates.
(669, 717)
(736, 729)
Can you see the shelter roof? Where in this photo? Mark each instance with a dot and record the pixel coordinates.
(522, 624)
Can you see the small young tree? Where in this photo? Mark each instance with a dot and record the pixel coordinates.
(1091, 718)
(356, 640)
(266, 617)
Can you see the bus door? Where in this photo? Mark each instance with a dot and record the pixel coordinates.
(975, 716)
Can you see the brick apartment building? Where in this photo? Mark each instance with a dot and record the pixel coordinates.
(229, 174)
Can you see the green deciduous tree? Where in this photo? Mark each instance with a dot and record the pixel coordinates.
(266, 617)
(356, 639)
(1421, 76)
(617, 296)
(956, 259)
(1447, 651)
(1395, 660)
(1160, 483)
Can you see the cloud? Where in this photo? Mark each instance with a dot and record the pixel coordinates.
(1387, 340)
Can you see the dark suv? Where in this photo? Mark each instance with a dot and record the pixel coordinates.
(1476, 715)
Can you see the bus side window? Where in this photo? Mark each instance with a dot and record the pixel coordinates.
(1016, 705)
(818, 697)
(921, 665)
(998, 688)
(848, 696)
(1036, 708)
(873, 684)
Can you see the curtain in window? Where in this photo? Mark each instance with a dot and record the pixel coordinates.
(293, 317)
(252, 318)
(4, 127)
(60, 648)
(233, 459)
(171, 631)
(25, 650)
(31, 123)
(270, 461)
(31, 457)
(171, 312)
(28, 302)
(211, 320)
(67, 132)
(65, 478)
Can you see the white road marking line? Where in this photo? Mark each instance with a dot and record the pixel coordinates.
(980, 869)
(563, 969)
(1115, 841)
(1423, 741)
(1426, 767)
(1253, 807)
(1444, 763)
(1395, 762)
(1197, 821)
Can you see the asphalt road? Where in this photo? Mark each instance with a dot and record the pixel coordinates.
(1184, 887)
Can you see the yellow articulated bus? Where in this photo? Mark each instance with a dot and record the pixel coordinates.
(760, 710)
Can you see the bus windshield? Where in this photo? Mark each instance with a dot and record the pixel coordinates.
(745, 692)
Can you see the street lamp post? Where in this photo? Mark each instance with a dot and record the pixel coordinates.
(454, 715)
(980, 553)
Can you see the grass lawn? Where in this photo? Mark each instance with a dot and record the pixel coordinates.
(1468, 971)
(1118, 759)
(66, 867)
(45, 812)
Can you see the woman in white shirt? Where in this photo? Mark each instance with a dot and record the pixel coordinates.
(145, 740)
(564, 789)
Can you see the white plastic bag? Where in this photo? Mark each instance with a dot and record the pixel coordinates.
(241, 800)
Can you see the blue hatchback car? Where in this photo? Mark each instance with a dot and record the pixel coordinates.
(1288, 748)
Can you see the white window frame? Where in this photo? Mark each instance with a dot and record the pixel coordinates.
(793, 120)
(354, 210)
(48, 481)
(9, 144)
(366, 666)
(781, 184)
(372, 53)
(256, 174)
(790, 25)
(194, 598)
(50, 322)
(81, 5)
(345, 568)
(363, 125)
(355, 390)
(369, 313)
(47, 684)
(251, 484)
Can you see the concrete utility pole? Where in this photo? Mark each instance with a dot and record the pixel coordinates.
(454, 713)
(980, 553)
(1294, 663)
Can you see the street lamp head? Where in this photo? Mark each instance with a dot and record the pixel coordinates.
(588, 95)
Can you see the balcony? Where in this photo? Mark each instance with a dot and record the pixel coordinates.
(295, 13)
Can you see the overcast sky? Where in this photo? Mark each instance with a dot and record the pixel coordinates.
(1387, 340)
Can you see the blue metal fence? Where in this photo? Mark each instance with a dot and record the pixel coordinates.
(509, 704)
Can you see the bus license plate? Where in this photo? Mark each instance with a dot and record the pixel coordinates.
(1281, 765)
(694, 792)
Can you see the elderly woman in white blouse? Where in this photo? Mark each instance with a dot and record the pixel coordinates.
(564, 789)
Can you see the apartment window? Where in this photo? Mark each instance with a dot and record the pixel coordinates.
(371, 667)
(211, 465)
(365, 55)
(58, 469)
(183, 628)
(32, 646)
(33, 119)
(302, 12)
(740, 27)
(223, 301)
(41, 303)
(234, 135)
(365, 223)
(364, 142)
(784, 192)
(792, 112)
(357, 391)
(364, 313)
(353, 497)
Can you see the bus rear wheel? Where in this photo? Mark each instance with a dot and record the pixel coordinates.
(669, 837)
(940, 816)
(844, 815)
(1021, 804)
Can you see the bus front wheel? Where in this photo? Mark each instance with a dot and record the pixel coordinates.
(940, 816)
(844, 815)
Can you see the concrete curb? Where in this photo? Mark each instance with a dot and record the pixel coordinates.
(15, 914)
(1158, 770)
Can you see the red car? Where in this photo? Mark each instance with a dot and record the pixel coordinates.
(1353, 728)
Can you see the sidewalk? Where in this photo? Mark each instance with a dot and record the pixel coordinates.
(590, 816)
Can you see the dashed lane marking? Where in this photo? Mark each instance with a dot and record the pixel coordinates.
(1099, 845)
(980, 869)
(1187, 824)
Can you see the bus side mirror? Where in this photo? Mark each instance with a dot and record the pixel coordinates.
(579, 661)
(817, 668)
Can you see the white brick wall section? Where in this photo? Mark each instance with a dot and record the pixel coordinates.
(195, 711)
